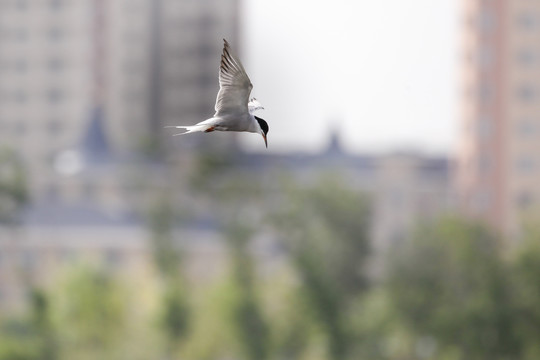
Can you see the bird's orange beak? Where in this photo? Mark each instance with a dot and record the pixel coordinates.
(265, 142)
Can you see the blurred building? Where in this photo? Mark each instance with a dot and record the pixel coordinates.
(498, 165)
(85, 88)
(406, 188)
(132, 66)
(49, 246)
(45, 82)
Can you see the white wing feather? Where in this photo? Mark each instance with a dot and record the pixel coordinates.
(234, 85)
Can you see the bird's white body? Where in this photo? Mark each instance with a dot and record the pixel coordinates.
(233, 110)
(227, 122)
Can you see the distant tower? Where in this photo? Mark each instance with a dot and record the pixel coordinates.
(498, 167)
(93, 148)
(94, 145)
(334, 144)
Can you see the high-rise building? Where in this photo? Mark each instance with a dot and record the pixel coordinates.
(167, 64)
(498, 165)
(83, 84)
(125, 67)
(45, 80)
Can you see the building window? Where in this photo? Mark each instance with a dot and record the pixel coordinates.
(525, 164)
(4, 96)
(484, 126)
(486, 20)
(21, 66)
(20, 97)
(56, 4)
(132, 37)
(133, 66)
(55, 65)
(482, 200)
(21, 4)
(484, 164)
(207, 80)
(485, 92)
(205, 51)
(20, 128)
(54, 127)
(527, 57)
(206, 22)
(4, 32)
(20, 35)
(527, 127)
(134, 96)
(55, 34)
(485, 56)
(527, 21)
(526, 93)
(525, 200)
(54, 96)
(133, 6)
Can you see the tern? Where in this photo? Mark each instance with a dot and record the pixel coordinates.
(234, 109)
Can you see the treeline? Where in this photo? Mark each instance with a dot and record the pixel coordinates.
(452, 290)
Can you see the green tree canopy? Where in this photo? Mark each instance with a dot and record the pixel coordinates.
(451, 284)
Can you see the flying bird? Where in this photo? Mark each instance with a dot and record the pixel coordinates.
(234, 109)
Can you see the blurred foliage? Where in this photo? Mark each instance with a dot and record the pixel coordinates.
(526, 292)
(326, 230)
(17, 340)
(174, 317)
(247, 320)
(13, 186)
(210, 168)
(160, 220)
(46, 337)
(452, 290)
(451, 285)
(90, 314)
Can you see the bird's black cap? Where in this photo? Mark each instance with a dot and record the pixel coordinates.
(263, 124)
(264, 127)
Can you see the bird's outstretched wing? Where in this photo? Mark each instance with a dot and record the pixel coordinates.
(234, 85)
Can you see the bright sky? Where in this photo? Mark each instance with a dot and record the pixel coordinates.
(383, 72)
